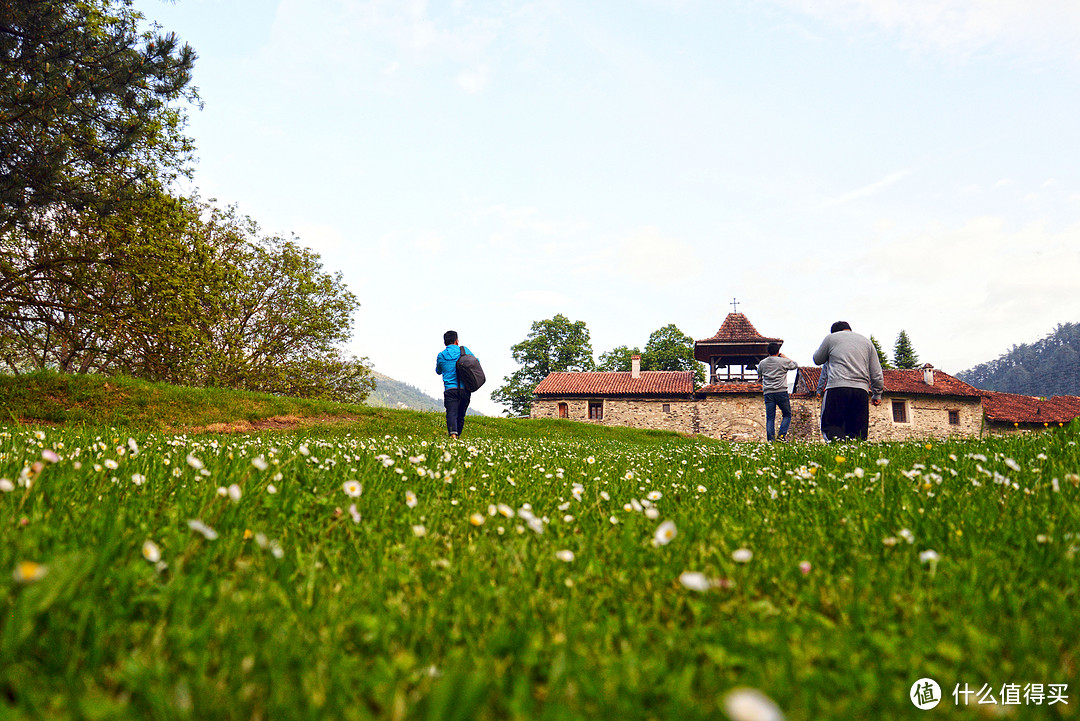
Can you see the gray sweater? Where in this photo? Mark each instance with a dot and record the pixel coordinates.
(853, 362)
(773, 372)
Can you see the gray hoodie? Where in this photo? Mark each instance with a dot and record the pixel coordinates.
(853, 362)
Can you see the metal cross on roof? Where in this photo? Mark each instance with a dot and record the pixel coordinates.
(735, 305)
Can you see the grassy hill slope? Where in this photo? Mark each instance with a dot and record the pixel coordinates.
(48, 398)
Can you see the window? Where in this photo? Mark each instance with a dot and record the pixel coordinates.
(564, 411)
(899, 412)
(667, 408)
(596, 410)
(954, 418)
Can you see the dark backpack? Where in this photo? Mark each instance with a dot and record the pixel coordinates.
(469, 373)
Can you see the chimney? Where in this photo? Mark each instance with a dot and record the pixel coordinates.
(928, 374)
(635, 366)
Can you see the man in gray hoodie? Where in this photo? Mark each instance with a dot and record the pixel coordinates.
(773, 373)
(855, 377)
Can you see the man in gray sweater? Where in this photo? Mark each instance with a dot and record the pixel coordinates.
(855, 377)
(773, 373)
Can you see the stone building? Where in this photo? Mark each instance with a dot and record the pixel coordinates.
(920, 403)
(1012, 413)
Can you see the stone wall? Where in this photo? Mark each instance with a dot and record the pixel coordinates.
(634, 413)
(741, 416)
(927, 417)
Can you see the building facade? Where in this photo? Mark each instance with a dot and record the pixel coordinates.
(922, 403)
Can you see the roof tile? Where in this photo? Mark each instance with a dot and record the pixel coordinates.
(649, 383)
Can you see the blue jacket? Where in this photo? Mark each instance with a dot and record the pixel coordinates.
(446, 364)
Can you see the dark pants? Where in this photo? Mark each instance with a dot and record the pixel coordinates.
(845, 413)
(456, 401)
(772, 402)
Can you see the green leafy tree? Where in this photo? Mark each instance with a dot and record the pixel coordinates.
(669, 349)
(617, 359)
(904, 355)
(553, 345)
(882, 358)
(88, 114)
(186, 294)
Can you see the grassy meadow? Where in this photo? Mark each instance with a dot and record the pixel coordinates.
(532, 570)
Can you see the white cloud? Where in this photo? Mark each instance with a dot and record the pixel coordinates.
(961, 27)
(475, 79)
(867, 190)
(649, 257)
(542, 298)
(970, 292)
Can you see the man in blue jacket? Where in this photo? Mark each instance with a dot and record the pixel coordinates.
(455, 397)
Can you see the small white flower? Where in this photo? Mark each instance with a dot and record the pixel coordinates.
(410, 499)
(701, 488)
(565, 555)
(151, 552)
(234, 493)
(199, 527)
(276, 550)
(929, 556)
(6, 485)
(883, 461)
(222, 491)
(906, 535)
(304, 450)
(749, 704)
(355, 514)
(477, 519)
(271, 488)
(352, 489)
(1012, 464)
(260, 463)
(133, 446)
(665, 533)
(138, 479)
(111, 464)
(654, 495)
(50, 455)
(194, 462)
(742, 555)
(695, 581)
(419, 531)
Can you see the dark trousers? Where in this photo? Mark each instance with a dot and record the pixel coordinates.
(845, 413)
(773, 401)
(456, 401)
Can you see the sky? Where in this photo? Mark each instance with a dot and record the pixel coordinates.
(899, 164)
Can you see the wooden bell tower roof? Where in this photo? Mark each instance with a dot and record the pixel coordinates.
(736, 343)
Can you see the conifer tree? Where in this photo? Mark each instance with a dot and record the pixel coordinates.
(882, 358)
(904, 355)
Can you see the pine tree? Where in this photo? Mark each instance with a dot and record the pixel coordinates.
(882, 358)
(904, 355)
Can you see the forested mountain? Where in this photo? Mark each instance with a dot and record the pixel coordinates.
(1048, 367)
(390, 393)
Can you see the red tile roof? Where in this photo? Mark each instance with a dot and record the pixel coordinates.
(1013, 408)
(911, 381)
(732, 388)
(649, 383)
(737, 328)
(899, 381)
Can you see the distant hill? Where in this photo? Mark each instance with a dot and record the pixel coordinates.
(390, 393)
(1048, 367)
